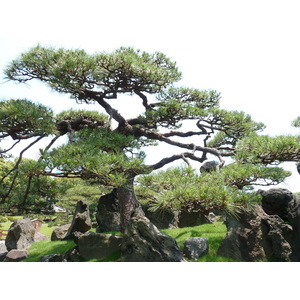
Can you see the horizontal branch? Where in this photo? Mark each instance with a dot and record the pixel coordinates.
(173, 158)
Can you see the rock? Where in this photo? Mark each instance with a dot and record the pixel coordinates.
(210, 166)
(143, 242)
(39, 237)
(294, 220)
(20, 235)
(189, 219)
(108, 215)
(2, 256)
(195, 247)
(162, 219)
(72, 255)
(60, 232)
(276, 202)
(53, 258)
(81, 220)
(16, 255)
(98, 245)
(255, 236)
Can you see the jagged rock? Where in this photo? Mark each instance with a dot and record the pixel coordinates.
(53, 258)
(60, 232)
(16, 255)
(294, 220)
(276, 201)
(20, 235)
(143, 242)
(255, 236)
(98, 245)
(108, 215)
(196, 247)
(81, 220)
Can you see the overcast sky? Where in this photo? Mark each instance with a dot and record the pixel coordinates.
(247, 50)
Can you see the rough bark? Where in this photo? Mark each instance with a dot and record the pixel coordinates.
(129, 205)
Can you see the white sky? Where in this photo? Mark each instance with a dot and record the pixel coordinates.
(247, 50)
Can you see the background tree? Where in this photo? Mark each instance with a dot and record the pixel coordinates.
(110, 154)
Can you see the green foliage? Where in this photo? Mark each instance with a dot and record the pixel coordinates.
(75, 71)
(296, 122)
(95, 154)
(81, 119)
(244, 176)
(178, 104)
(232, 126)
(3, 219)
(264, 149)
(22, 119)
(226, 190)
(41, 191)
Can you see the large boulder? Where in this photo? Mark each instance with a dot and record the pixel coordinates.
(143, 242)
(81, 219)
(15, 255)
(195, 247)
(108, 215)
(20, 235)
(276, 201)
(254, 236)
(59, 233)
(97, 245)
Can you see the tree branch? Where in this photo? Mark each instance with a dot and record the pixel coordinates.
(172, 158)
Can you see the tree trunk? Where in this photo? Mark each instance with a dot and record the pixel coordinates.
(129, 205)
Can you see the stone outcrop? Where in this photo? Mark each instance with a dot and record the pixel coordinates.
(108, 215)
(20, 235)
(195, 247)
(276, 202)
(81, 219)
(143, 242)
(255, 236)
(97, 245)
(294, 220)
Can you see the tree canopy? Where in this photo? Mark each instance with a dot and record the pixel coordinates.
(106, 147)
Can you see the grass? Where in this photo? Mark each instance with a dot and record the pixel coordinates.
(214, 232)
(42, 248)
